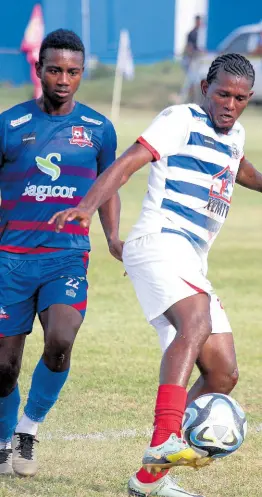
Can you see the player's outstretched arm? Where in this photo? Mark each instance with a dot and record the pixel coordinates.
(109, 214)
(248, 176)
(105, 186)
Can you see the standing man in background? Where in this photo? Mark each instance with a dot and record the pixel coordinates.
(191, 52)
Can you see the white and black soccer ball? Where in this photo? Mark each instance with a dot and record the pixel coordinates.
(214, 425)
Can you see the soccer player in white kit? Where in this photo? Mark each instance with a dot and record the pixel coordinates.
(197, 155)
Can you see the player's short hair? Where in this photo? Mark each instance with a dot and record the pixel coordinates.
(233, 63)
(61, 39)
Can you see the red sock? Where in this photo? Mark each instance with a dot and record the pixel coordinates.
(144, 477)
(169, 411)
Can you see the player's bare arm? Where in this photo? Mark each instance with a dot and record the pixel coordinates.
(109, 214)
(248, 176)
(105, 186)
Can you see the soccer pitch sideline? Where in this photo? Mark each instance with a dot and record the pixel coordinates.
(94, 438)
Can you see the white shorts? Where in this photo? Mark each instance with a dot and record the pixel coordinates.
(164, 269)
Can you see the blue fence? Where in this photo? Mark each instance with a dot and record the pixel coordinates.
(151, 28)
(150, 24)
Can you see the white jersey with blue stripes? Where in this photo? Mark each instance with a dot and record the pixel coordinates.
(192, 177)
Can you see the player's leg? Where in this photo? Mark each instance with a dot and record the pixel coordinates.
(154, 265)
(61, 305)
(15, 319)
(217, 363)
(217, 360)
(61, 323)
(191, 318)
(17, 312)
(218, 366)
(11, 350)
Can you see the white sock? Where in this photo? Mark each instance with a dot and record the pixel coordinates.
(5, 445)
(27, 425)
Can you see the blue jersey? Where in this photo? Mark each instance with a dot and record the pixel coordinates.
(47, 164)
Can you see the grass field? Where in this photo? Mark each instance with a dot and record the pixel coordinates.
(94, 438)
(152, 88)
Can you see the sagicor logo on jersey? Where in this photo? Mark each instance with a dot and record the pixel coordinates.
(48, 167)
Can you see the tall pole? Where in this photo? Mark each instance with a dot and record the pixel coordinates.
(85, 13)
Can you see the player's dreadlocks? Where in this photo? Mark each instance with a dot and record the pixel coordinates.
(233, 63)
(61, 39)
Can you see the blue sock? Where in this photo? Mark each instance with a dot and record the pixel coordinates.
(45, 388)
(8, 414)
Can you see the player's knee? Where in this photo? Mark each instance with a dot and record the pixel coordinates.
(224, 382)
(9, 372)
(57, 353)
(232, 380)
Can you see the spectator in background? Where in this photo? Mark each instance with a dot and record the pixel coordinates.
(190, 54)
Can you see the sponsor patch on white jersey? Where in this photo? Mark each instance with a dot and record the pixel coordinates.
(90, 120)
(21, 120)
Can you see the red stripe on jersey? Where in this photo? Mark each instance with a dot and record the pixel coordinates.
(149, 147)
(71, 229)
(81, 306)
(79, 171)
(8, 204)
(53, 200)
(27, 250)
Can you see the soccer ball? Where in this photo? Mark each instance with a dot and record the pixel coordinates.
(214, 425)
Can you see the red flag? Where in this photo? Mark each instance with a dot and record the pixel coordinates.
(31, 43)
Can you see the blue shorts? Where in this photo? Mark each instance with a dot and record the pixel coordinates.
(28, 287)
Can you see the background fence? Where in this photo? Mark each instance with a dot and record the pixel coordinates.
(157, 28)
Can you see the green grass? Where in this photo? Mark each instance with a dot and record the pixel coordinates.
(116, 358)
(152, 88)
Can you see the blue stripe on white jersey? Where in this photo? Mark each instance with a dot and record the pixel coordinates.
(187, 189)
(193, 164)
(201, 116)
(191, 215)
(207, 141)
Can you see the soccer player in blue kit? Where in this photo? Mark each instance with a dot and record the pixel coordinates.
(51, 152)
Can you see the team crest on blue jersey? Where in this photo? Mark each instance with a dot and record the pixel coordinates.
(81, 137)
